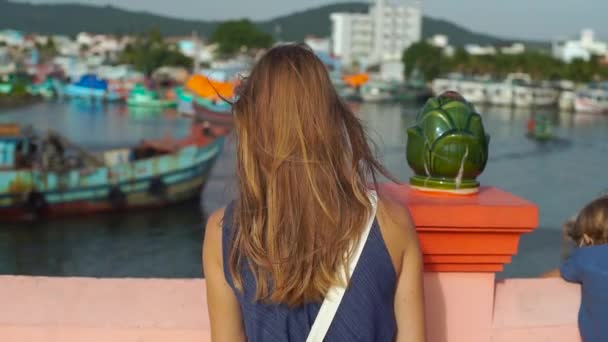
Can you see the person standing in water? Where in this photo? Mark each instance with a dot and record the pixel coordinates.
(311, 249)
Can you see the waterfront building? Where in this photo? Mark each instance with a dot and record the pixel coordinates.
(583, 48)
(352, 35)
(381, 35)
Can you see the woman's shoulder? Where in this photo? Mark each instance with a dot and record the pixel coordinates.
(212, 243)
(397, 227)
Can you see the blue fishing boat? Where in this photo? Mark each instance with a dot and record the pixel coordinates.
(48, 176)
(91, 87)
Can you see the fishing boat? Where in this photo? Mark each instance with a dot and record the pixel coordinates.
(215, 112)
(210, 99)
(89, 86)
(5, 88)
(591, 100)
(48, 176)
(523, 96)
(346, 91)
(48, 89)
(516, 90)
(473, 90)
(376, 91)
(184, 100)
(545, 95)
(143, 97)
(412, 92)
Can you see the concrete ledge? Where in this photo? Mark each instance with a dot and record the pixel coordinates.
(130, 310)
(536, 310)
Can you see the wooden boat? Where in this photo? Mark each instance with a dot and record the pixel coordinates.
(142, 97)
(48, 176)
(215, 113)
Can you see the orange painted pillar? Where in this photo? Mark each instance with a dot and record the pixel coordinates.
(465, 241)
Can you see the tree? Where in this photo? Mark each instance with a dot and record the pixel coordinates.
(430, 61)
(48, 50)
(150, 52)
(233, 35)
(423, 57)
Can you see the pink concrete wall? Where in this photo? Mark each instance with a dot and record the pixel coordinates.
(460, 307)
(536, 310)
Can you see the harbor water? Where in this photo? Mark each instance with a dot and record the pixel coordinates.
(559, 175)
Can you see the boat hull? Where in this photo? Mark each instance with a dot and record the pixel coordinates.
(153, 182)
(75, 91)
(151, 103)
(225, 119)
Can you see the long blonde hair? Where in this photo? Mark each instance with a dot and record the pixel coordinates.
(303, 169)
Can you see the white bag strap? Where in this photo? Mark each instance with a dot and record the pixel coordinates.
(334, 295)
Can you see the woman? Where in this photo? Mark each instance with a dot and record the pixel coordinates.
(303, 208)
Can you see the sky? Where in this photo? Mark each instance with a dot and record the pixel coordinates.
(524, 19)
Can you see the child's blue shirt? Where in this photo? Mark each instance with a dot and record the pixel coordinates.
(589, 267)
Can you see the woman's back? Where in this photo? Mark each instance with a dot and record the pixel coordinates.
(365, 313)
(303, 207)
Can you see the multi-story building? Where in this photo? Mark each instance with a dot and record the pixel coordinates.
(397, 25)
(352, 37)
(381, 35)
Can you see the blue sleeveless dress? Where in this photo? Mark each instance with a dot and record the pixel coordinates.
(366, 312)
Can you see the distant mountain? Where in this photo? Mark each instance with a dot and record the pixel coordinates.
(73, 18)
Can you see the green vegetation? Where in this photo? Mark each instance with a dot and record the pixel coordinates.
(231, 36)
(29, 17)
(431, 62)
(47, 50)
(424, 58)
(149, 52)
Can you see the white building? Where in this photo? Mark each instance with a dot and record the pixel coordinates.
(584, 48)
(318, 44)
(513, 49)
(352, 37)
(397, 25)
(439, 40)
(12, 38)
(378, 36)
(478, 50)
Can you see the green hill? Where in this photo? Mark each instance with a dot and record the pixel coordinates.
(73, 18)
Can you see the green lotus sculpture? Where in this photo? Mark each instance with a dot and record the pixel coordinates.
(447, 147)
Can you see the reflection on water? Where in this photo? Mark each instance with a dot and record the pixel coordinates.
(160, 243)
(560, 176)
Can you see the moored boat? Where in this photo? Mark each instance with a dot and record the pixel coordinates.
(91, 87)
(185, 100)
(375, 91)
(143, 97)
(218, 113)
(591, 100)
(47, 176)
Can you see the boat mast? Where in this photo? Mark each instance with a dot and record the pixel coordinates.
(197, 52)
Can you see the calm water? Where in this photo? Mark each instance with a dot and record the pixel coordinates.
(559, 176)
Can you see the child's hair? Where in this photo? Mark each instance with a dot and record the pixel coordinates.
(591, 222)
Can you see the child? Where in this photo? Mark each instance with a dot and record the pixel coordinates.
(588, 265)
